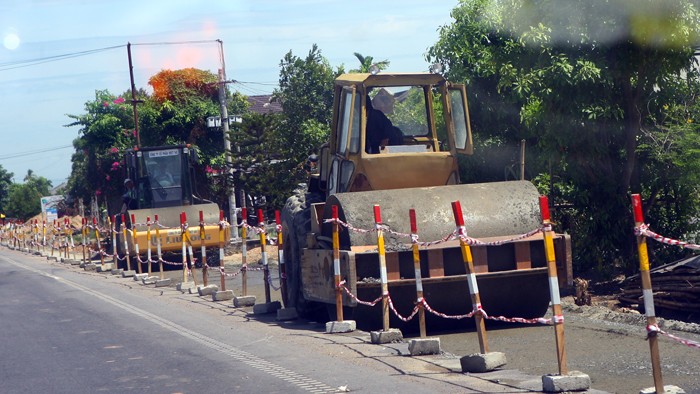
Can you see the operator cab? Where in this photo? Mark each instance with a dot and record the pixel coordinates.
(161, 175)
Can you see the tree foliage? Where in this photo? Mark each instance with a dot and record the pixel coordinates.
(24, 199)
(582, 83)
(5, 183)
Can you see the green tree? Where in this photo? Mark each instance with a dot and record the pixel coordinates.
(580, 81)
(366, 63)
(5, 183)
(24, 200)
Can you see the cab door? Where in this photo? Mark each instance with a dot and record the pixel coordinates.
(458, 118)
(347, 141)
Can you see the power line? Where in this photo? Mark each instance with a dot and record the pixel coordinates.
(33, 62)
(34, 152)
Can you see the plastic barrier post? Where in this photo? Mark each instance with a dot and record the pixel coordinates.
(70, 237)
(186, 235)
(67, 235)
(43, 239)
(65, 239)
(419, 277)
(280, 256)
(158, 248)
(136, 243)
(203, 249)
(648, 295)
(97, 240)
(266, 268)
(184, 247)
(471, 277)
(336, 266)
(149, 252)
(382, 267)
(126, 245)
(221, 250)
(83, 232)
(112, 230)
(557, 316)
(244, 252)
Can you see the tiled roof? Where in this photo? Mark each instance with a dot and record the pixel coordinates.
(262, 104)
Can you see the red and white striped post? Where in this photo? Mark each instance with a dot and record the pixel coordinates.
(557, 316)
(221, 250)
(471, 277)
(158, 247)
(648, 294)
(263, 241)
(149, 252)
(126, 244)
(113, 233)
(188, 240)
(97, 241)
(203, 249)
(382, 267)
(419, 277)
(280, 256)
(134, 238)
(336, 267)
(43, 239)
(244, 251)
(183, 230)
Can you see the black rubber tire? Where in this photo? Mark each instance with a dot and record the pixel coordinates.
(296, 223)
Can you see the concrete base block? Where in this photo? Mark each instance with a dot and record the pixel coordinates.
(163, 282)
(573, 381)
(128, 274)
(242, 301)
(54, 258)
(104, 268)
(286, 314)
(117, 271)
(420, 346)
(668, 389)
(140, 277)
(482, 362)
(207, 290)
(149, 280)
(185, 286)
(222, 295)
(76, 262)
(90, 267)
(269, 307)
(337, 327)
(36, 253)
(389, 336)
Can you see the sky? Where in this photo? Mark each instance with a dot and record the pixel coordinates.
(56, 53)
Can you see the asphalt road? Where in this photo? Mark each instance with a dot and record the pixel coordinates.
(65, 330)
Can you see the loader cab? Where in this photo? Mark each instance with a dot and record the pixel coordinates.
(394, 131)
(161, 175)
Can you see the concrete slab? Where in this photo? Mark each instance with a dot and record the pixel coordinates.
(573, 381)
(149, 280)
(222, 295)
(242, 301)
(140, 277)
(668, 389)
(76, 262)
(389, 336)
(128, 274)
(207, 290)
(54, 258)
(337, 327)
(269, 307)
(163, 282)
(479, 362)
(185, 286)
(117, 271)
(104, 268)
(285, 314)
(421, 346)
(90, 267)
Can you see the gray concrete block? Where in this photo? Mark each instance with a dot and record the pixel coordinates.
(104, 268)
(140, 277)
(163, 282)
(389, 336)
(573, 381)
(76, 262)
(668, 389)
(118, 271)
(337, 327)
(185, 286)
(479, 362)
(222, 295)
(149, 280)
(269, 307)
(128, 274)
(242, 301)
(207, 290)
(90, 267)
(54, 258)
(286, 314)
(420, 346)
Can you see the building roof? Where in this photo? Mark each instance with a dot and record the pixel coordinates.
(262, 104)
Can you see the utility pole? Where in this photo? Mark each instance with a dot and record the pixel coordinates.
(134, 102)
(227, 146)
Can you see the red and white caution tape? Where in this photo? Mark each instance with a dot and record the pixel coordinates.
(655, 329)
(645, 231)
